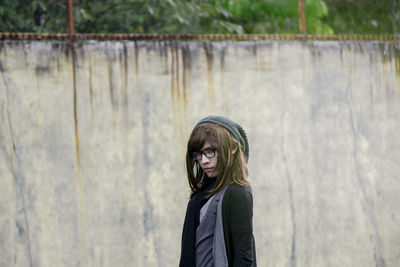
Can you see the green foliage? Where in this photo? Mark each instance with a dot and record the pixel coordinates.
(315, 12)
(363, 16)
(32, 16)
(206, 16)
(275, 16)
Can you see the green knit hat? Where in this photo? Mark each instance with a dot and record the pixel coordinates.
(235, 129)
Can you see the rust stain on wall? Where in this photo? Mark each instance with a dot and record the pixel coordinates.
(110, 82)
(125, 60)
(76, 124)
(396, 56)
(226, 104)
(341, 57)
(397, 66)
(111, 90)
(180, 81)
(172, 72)
(91, 86)
(222, 61)
(2, 48)
(371, 88)
(164, 53)
(208, 49)
(255, 49)
(315, 55)
(185, 77)
(175, 87)
(256, 57)
(136, 64)
(82, 231)
(175, 90)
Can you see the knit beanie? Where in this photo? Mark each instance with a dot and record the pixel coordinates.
(235, 129)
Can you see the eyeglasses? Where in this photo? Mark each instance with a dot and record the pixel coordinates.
(209, 153)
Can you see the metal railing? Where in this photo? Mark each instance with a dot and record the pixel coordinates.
(211, 37)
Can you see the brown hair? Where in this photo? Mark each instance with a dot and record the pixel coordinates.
(231, 167)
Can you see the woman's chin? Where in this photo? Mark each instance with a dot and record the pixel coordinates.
(211, 175)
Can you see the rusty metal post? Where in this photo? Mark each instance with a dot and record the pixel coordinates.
(302, 17)
(70, 20)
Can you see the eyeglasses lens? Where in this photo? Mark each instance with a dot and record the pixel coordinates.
(209, 153)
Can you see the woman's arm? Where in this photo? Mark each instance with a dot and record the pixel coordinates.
(240, 224)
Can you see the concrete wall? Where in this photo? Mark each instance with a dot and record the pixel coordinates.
(92, 148)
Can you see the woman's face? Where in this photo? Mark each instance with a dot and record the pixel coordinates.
(209, 160)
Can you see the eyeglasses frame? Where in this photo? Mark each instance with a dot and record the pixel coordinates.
(202, 152)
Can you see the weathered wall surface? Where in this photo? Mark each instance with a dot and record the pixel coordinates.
(92, 148)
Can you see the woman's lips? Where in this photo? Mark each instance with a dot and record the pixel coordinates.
(208, 169)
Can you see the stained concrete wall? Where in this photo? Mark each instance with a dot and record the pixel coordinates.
(92, 143)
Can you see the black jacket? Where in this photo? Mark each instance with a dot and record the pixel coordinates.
(237, 215)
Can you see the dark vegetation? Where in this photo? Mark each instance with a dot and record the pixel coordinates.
(202, 16)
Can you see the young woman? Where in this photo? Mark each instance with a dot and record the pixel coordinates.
(218, 230)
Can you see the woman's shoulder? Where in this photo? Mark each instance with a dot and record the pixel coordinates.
(237, 192)
(238, 189)
(237, 201)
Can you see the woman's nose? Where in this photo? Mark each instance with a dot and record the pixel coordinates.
(204, 159)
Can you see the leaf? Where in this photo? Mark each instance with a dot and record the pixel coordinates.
(316, 8)
(225, 13)
(150, 10)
